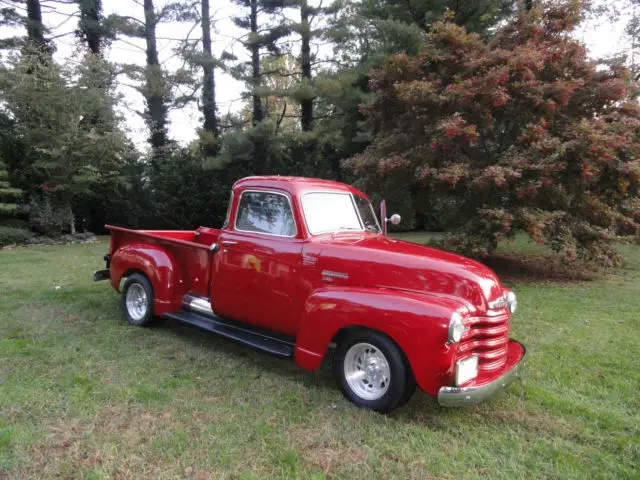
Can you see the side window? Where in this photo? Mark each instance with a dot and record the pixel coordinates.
(265, 212)
(226, 218)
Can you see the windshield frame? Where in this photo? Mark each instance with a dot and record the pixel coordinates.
(362, 228)
(373, 213)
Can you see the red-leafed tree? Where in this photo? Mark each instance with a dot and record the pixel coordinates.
(522, 133)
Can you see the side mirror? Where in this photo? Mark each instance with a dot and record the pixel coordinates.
(395, 219)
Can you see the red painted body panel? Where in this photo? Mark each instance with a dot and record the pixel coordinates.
(256, 280)
(417, 322)
(312, 287)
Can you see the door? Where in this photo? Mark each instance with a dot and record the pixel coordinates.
(257, 267)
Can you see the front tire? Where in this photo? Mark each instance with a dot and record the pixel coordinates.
(371, 371)
(137, 300)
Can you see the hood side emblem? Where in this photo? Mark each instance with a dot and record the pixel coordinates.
(329, 275)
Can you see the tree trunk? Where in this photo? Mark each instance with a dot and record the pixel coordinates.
(71, 218)
(306, 104)
(208, 84)
(255, 63)
(155, 88)
(91, 25)
(35, 27)
(90, 30)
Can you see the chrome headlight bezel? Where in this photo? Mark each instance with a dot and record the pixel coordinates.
(456, 328)
(512, 301)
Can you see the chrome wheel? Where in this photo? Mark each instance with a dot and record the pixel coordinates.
(367, 371)
(137, 302)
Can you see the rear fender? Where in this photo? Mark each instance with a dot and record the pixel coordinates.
(158, 265)
(418, 323)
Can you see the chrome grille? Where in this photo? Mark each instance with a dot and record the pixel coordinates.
(488, 338)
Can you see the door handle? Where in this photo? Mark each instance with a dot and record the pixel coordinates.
(229, 242)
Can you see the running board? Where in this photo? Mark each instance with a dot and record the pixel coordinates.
(252, 337)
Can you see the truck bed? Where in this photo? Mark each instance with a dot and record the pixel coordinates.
(189, 248)
(201, 237)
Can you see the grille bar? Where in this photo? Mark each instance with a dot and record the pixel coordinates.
(488, 338)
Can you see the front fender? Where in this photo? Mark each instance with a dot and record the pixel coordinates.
(417, 322)
(158, 265)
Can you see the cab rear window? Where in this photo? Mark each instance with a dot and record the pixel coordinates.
(265, 212)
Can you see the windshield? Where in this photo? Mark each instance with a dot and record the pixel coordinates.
(333, 211)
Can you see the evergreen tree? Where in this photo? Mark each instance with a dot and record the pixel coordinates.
(64, 157)
(92, 28)
(154, 82)
(209, 108)
(10, 17)
(27, 14)
(263, 32)
(35, 27)
(10, 196)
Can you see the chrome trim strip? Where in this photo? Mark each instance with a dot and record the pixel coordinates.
(309, 260)
(498, 304)
(463, 397)
(329, 273)
(266, 190)
(197, 304)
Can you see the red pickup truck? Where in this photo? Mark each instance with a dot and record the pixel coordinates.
(301, 265)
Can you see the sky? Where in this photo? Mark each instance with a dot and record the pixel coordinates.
(601, 40)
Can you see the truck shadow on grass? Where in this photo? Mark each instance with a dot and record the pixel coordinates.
(317, 387)
(252, 359)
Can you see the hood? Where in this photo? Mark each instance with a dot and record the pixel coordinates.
(379, 261)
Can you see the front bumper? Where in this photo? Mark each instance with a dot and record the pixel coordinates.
(472, 395)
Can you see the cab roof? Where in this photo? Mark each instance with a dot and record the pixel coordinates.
(294, 185)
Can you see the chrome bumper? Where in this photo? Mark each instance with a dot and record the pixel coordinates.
(466, 396)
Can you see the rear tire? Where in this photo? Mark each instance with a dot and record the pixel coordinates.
(137, 300)
(371, 371)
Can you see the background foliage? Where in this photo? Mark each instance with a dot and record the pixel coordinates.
(520, 133)
(480, 118)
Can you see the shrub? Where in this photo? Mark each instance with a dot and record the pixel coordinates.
(15, 223)
(47, 219)
(524, 133)
(11, 236)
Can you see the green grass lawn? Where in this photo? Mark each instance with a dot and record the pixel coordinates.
(85, 395)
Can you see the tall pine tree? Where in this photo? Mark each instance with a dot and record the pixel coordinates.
(261, 33)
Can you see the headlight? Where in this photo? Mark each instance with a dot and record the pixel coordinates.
(512, 301)
(456, 328)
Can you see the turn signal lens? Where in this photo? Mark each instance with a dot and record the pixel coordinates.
(456, 328)
(512, 301)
